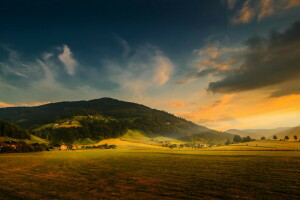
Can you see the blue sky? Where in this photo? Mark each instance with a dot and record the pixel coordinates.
(196, 59)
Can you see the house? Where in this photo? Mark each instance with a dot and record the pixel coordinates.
(72, 147)
(63, 147)
(55, 147)
(11, 143)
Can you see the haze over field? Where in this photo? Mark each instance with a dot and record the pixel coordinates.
(223, 64)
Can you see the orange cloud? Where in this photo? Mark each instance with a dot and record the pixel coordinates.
(259, 9)
(291, 3)
(245, 14)
(233, 110)
(177, 104)
(3, 105)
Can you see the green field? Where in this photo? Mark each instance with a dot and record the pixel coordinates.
(261, 145)
(150, 174)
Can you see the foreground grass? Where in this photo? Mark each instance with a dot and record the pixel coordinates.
(150, 174)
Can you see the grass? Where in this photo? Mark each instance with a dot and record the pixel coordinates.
(137, 139)
(36, 139)
(85, 141)
(73, 122)
(150, 174)
(261, 145)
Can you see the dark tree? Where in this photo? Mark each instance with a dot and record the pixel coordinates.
(274, 137)
(246, 139)
(286, 137)
(263, 138)
(295, 137)
(237, 139)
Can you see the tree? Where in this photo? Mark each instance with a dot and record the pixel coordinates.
(274, 137)
(237, 139)
(286, 138)
(227, 142)
(263, 138)
(246, 139)
(295, 137)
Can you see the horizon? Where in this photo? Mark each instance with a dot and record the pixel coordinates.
(253, 128)
(223, 64)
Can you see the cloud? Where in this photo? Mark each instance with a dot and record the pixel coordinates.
(13, 66)
(245, 14)
(163, 70)
(291, 3)
(67, 59)
(259, 9)
(4, 105)
(266, 9)
(41, 79)
(243, 109)
(126, 47)
(177, 104)
(211, 60)
(268, 62)
(146, 68)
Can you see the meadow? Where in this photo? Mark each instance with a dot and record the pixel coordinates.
(150, 174)
(261, 145)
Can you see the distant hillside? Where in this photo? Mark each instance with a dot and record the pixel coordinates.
(104, 118)
(291, 132)
(257, 133)
(13, 131)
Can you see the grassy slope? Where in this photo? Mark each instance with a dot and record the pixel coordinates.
(133, 139)
(34, 139)
(144, 174)
(38, 139)
(61, 124)
(290, 132)
(136, 139)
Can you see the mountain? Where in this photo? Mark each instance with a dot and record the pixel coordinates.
(257, 133)
(13, 131)
(105, 118)
(291, 132)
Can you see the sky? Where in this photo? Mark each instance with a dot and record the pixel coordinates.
(219, 63)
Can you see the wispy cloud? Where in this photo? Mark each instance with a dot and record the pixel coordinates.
(67, 59)
(291, 3)
(245, 14)
(126, 47)
(146, 68)
(41, 79)
(163, 70)
(212, 59)
(260, 9)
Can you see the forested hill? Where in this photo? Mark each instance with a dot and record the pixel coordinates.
(13, 131)
(127, 115)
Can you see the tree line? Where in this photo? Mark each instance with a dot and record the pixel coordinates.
(13, 131)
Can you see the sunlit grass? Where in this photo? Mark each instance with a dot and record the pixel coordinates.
(150, 174)
(261, 145)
